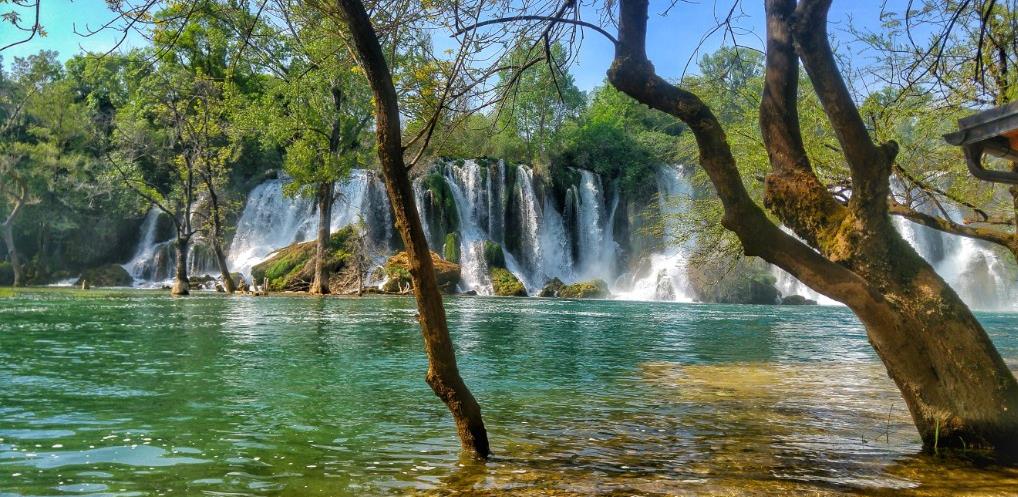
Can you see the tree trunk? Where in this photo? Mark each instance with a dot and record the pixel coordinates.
(217, 240)
(224, 268)
(320, 284)
(443, 374)
(958, 389)
(12, 253)
(181, 285)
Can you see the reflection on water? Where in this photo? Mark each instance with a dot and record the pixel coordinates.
(139, 394)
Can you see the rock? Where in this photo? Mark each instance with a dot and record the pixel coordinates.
(493, 254)
(105, 276)
(551, 288)
(397, 272)
(202, 282)
(451, 249)
(797, 300)
(593, 289)
(470, 293)
(292, 268)
(506, 284)
(748, 282)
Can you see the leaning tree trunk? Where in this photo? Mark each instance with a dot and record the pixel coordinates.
(181, 285)
(958, 389)
(320, 284)
(12, 252)
(217, 242)
(443, 374)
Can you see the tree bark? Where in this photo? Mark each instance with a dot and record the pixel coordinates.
(958, 389)
(181, 285)
(443, 374)
(324, 196)
(217, 241)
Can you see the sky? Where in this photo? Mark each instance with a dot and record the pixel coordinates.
(671, 39)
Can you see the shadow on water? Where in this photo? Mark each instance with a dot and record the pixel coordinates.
(136, 393)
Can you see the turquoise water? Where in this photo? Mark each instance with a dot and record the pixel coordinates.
(138, 394)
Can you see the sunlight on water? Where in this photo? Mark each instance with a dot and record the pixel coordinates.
(138, 394)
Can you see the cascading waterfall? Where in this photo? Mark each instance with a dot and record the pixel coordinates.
(141, 266)
(981, 276)
(543, 235)
(662, 275)
(272, 220)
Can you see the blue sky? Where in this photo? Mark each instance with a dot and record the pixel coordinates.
(671, 40)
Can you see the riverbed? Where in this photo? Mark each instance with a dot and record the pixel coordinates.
(135, 393)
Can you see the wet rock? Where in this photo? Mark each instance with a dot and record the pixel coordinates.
(551, 288)
(593, 289)
(397, 270)
(505, 284)
(797, 300)
(292, 268)
(105, 276)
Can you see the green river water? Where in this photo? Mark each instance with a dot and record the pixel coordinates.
(135, 393)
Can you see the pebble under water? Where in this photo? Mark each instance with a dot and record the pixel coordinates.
(135, 393)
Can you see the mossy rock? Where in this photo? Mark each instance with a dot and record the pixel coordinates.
(397, 270)
(451, 249)
(551, 288)
(593, 289)
(106, 275)
(506, 284)
(749, 282)
(292, 268)
(493, 254)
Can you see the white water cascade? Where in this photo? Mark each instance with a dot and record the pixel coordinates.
(662, 275)
(569, 235)
(142, 267)
(272, 220)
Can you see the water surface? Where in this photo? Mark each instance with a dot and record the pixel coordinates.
(140, 394)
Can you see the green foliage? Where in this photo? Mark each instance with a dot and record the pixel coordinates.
(506, 284)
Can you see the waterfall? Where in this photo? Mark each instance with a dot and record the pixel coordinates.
(983, 277)
(596, 246)
(272, 220)
(471, 202)
(141, 266)
(662, 275)
(545, 231)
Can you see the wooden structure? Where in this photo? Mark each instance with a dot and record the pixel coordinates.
(993, 132)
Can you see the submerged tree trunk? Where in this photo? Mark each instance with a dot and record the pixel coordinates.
(181, 285)
(12, 252)
(217, 242)
(443, 374)
(324, 196)
(958, 389)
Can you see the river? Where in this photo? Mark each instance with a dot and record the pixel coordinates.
(135, 393)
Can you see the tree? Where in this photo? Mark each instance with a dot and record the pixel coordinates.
(539, 100)
(443, 374)
(319, 113)
(958, 389)
(966, 62)
(153, 153)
